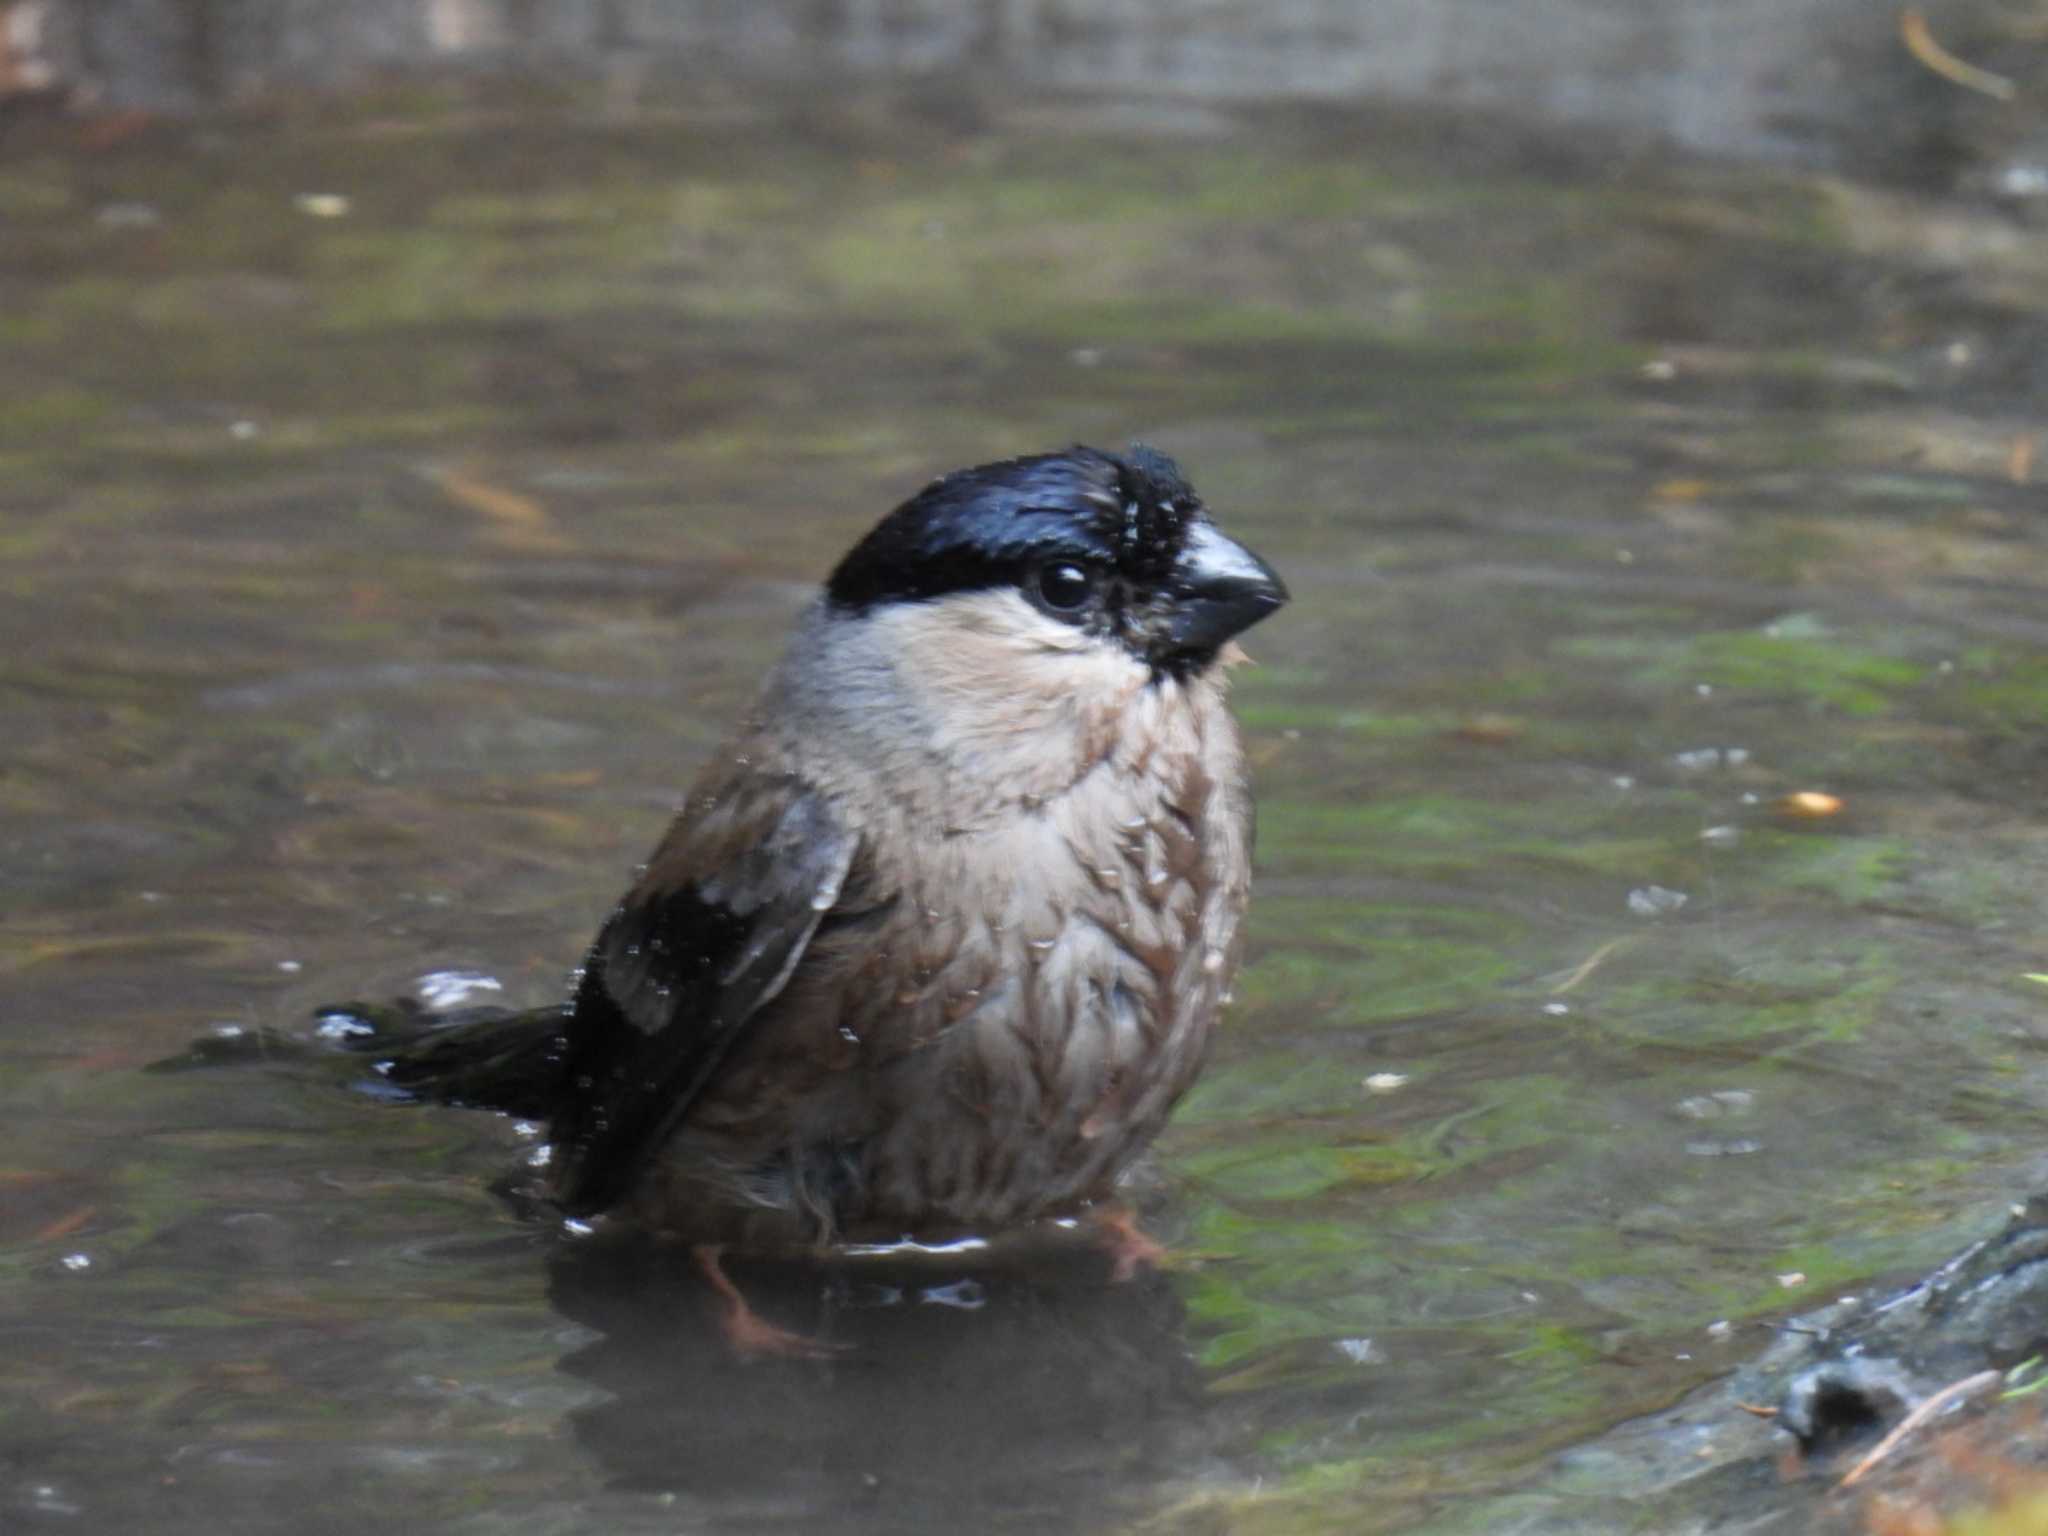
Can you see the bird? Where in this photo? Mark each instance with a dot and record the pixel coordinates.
(940, 937)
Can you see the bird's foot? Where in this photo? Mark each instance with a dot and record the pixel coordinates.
(1130, 1247)
(751, 1335)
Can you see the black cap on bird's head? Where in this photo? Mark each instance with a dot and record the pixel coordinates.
(1115, 545)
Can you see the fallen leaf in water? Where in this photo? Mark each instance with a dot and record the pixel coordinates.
(1491, 730)
(322, 205)
(111, 130)
(1921, 44)
(1809, 805)
(516, 521)
(65, 1225)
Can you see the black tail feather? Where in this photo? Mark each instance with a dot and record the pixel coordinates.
(482, 1058)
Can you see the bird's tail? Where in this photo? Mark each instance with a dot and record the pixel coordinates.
(481, 1057)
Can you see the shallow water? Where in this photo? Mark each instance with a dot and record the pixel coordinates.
(401, 496)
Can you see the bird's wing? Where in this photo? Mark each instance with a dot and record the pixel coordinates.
(708, 937)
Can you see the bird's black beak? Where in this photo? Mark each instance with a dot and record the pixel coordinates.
(1220, 589)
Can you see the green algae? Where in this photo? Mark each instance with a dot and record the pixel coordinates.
(1828, 674)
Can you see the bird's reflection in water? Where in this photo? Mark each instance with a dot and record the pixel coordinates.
(1027, 1393)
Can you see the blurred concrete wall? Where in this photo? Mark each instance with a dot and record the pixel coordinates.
(1757, 79)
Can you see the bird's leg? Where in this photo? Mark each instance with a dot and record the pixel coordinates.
(1129, 1246)
(750, 1334)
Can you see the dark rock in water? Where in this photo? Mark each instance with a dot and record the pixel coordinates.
(1843, 1402)
(1833, 1383)
(1868, 1364)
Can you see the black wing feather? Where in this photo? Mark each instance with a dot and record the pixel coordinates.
(678, 971)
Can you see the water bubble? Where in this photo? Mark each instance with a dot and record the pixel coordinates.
(440, 991)
(1655, 901)
(342, 1026)
(1715, 1105)
(49, 1499)
(2022, 180)
(1741, 1147)
(127, 216)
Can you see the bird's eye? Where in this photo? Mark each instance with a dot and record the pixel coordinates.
(1065, 585)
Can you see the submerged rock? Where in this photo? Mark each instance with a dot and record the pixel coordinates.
(1867, 1365)
(1765, 1448)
